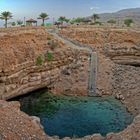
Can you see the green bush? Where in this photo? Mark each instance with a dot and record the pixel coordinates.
(40, 60)
(49, 56)
(112, 21)
(128, 22)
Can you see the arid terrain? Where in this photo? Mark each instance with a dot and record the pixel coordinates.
(33, 58)
(118, 60)
(120, 16)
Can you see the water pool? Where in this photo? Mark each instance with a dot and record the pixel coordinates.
(76, 116)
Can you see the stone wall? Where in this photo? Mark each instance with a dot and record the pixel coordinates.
(20, 71)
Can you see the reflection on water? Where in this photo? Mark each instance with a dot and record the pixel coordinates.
(76, 116)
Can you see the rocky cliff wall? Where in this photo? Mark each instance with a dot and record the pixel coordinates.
(16, 125)
(33, 59)
(118, 61)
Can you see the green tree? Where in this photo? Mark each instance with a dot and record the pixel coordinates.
(67, 20)
(111, 21)
(95, 17)
(6, 16)
(77, 20)
(62, 19)
(128, 22)
(19, 22)
(43, 16)
(13, 24)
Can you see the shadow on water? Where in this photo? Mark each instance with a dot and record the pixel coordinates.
(76, 116)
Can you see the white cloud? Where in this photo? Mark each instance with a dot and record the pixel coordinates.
(94, 8)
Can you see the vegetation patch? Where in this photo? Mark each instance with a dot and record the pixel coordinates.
(128, 22)
(40, 60)
(112, 22)
(49, 56)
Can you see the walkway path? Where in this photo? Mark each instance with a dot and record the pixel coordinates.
(67, 42)
(93, 74)
(93, 60)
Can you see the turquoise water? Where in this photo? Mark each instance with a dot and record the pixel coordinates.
(76, 116)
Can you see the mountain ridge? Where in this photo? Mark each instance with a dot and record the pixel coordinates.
(121, 15)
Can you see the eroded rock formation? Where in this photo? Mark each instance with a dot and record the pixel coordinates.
(32, 59)
(16, 125)
(118, 60)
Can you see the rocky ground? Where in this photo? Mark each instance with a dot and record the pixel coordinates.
(16, 125)
(33, 59)
(118, 61)
(19, 74)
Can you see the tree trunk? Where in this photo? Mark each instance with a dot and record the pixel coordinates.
(43, 22)
(5, 23)
(94, 20)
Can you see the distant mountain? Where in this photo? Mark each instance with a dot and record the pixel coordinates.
(120, 16)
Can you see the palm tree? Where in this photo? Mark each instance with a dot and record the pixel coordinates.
(43, 16)
(19, 22)
(6, 16)
(67, 20)
(62, 19)
(95, 17)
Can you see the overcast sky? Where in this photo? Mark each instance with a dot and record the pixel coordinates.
(68, 8)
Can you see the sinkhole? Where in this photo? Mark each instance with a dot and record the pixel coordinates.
(76, 116)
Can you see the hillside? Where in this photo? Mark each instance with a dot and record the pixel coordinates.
(133, 13)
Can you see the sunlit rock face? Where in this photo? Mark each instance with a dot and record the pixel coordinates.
(30, 59)
(118, 60)
(25, 66)
(15, 124)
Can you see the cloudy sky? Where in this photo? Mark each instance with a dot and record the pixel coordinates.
(68, 8)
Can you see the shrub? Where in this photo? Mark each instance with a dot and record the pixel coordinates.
(40, 60)
(49, 56)
(52, 44)
(111, 21)
(128, 22)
